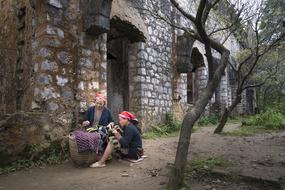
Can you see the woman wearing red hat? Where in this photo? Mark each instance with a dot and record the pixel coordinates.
(130, 141)
(98, 114)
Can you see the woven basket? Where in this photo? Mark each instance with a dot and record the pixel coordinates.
(83, 158)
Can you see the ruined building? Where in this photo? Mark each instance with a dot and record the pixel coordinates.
(55, 54)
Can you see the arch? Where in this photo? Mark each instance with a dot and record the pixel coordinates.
(184, 49)
(127, 20)
(197, 59)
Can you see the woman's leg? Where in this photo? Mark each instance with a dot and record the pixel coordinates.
(107, 153)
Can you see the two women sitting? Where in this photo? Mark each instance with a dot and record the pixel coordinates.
(125, 139)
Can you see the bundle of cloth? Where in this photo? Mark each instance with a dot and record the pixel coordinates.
(87, 141)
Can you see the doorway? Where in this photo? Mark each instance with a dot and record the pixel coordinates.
(117, 73)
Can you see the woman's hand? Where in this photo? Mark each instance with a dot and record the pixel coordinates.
(116, 134)
(85, 123)
(110, 126)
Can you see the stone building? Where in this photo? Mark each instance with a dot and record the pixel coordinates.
(55, 54)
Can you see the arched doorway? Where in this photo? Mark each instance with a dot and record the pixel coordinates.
(195, 77)
(117, 72)
(126, 27)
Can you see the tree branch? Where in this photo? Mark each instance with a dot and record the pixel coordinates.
(182, 11)
(207, 10)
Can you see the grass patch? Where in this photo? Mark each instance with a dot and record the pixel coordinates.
(171, 127)
(266, 122)
(236, 119)
(209, 120)
(33, 155)
(270, 119)
(248, 131)
(201, 167)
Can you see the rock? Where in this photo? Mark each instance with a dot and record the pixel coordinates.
(65, 58)
(35, 106)
(49, 92)
(86, 63)
(52, 106)
(44, 52)
(49, 66)
(55, 31)
(162, 183)
(54, 43)
(55, 3)
(207, 187)
(33, 127)
(125, 175)
(67, 94)
(61, 81)
(44, 79)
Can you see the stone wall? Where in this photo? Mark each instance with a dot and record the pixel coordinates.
(17, 29)
(55, 67)
(154, 72)
(69, 65)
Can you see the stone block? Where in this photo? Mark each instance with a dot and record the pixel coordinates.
(55, 31)
(44, 52)
(61, 81)
(49, 65)
(44, 79)
(55, 3)
(65, 57)
(52, 106)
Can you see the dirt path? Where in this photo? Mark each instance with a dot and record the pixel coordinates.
(259, 156)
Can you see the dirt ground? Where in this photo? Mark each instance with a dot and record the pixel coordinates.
(261, 156)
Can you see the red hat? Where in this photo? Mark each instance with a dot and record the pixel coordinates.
(101, 97)
(134, 118)
(126, 115)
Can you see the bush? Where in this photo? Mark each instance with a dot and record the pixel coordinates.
(277, 106)
(212, 119)
(270, 119)
(34, 155)
(170, 126)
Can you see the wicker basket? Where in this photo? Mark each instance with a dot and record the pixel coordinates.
(83, 158)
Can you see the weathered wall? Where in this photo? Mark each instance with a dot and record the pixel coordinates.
(153, 72)
(17, 28)
(69, 65)
(53, 68)
(7, 57)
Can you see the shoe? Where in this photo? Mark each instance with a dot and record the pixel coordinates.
(97, 165)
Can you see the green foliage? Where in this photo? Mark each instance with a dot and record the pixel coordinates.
(247, 131)
(266, 122)
(170, 128)
(212, 119)
(278, 106)
(34, 155)
(270, 119)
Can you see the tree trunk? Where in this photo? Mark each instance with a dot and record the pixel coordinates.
(222, 122)
(176, 179)
(227, 112)
(177, 176)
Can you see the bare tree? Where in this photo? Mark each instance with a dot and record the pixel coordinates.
(199, 33)
(262, 46)
(202, 31)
